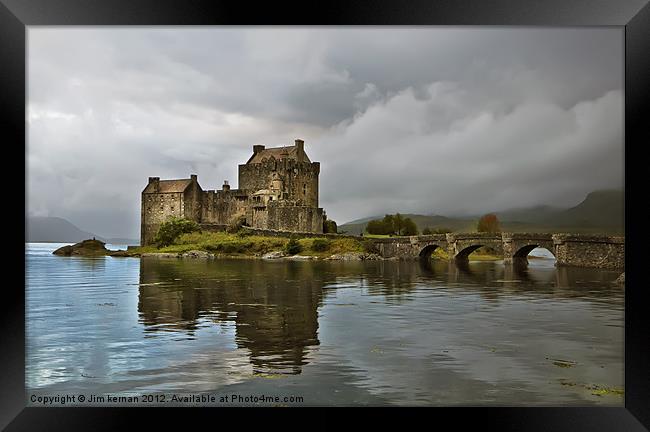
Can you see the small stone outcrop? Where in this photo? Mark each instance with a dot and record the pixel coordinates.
(302, 257)
(197, 254)
(85, 248)
(354, 256)
(160, 255)
(274, 255)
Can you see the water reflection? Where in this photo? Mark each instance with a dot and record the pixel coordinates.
(274, 305)
(274, 309)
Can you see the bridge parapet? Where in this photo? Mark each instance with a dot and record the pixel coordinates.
(471, 236)
(587, 238)
(506, 236)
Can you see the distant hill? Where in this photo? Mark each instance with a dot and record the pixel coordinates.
(122, 241)
(55, 229)
(422, 221)
(600, 212)
(537, 214)
(59, 230)
(604, 208)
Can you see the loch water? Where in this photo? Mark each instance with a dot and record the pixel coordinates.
(323, 332)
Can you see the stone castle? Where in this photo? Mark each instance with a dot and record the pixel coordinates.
(278, 190)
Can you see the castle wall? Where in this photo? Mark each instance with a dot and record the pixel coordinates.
(299, 179)
(294, 218)
(258, 217)
(156, 208)
(193, 202)
(223, 206)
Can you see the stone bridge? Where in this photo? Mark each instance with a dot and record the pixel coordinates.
(583, 250)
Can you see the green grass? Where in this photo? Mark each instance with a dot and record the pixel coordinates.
(221, 243)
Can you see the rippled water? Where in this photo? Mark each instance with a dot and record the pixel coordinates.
(331, 332)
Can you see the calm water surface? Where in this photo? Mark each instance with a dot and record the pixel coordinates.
(377, 333)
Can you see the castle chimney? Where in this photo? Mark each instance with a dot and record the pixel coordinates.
(193, 177)
(226, 186)
(300, 153)
(257, 148)
(156, 183)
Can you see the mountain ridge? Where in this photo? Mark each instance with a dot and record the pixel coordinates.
(599, 211)
(52, 229)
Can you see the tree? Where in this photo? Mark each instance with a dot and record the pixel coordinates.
(408, 228)
(397, 224)
(329, 226)
(392, 225)
(488, 223)
(378, 227)
(172, 228)
(427, 231)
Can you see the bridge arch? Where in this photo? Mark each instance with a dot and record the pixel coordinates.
(427, 250)
(523, 251)
(464, 253)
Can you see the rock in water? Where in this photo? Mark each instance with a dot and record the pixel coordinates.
(84, 248)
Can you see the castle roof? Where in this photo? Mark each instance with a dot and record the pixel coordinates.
(168, 186)
(288, 152)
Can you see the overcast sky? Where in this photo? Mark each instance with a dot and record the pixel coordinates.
(446, 120)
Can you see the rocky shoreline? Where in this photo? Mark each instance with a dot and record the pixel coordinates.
(276, 255)
(96, 248)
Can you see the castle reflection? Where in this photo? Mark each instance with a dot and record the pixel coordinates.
(274, 304)
(274, 307)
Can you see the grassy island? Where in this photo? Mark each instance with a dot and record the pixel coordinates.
(252, 245)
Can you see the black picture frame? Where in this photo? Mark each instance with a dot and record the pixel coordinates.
(633, 15)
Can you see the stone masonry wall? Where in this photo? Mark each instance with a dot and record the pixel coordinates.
(294, 218)
(286, 234)
(590, 251)
(299, 179)
(223, 206)
(156, 208)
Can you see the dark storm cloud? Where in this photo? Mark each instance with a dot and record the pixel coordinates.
(443, 120)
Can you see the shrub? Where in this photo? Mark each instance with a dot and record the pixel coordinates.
(292, 247)
(320, 245)
(236, 225)
(172, 228)
(488, 223)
